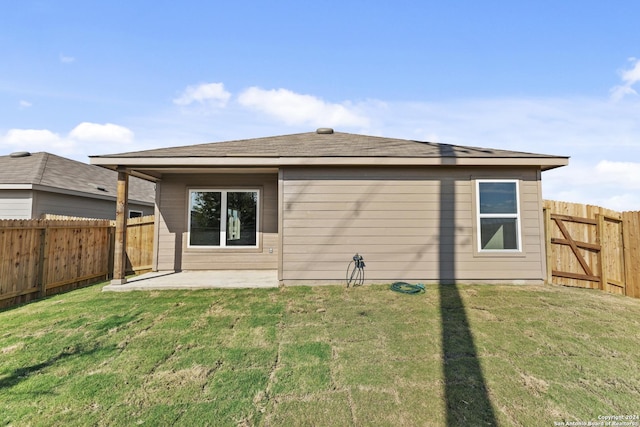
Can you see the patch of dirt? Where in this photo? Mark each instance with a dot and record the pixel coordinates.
(294, 308)
(177, 379)
(484, 314)
(12, 348)
(257, 337)
(471, 292)
(535, 385)
(215, 309)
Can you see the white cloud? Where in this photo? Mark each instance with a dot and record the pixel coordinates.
(296, 109)
(65, 59)
(629, 78)
(212, 94)
(611, 184)
(24, 104)
(86, 138)
(35, 140)
(627, 173)
(632, 76)
(619, 92)
(108, 132)
(30, 136)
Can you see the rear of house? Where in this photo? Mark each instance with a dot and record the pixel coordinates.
(304, 204)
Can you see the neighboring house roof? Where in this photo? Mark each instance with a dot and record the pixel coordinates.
(323, 147)
(48, 172)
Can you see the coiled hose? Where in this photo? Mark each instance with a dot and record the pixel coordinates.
(407, 288)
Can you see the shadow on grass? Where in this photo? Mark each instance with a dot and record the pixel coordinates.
(21, 374)
(466, 393)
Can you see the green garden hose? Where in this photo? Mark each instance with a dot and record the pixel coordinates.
(407, 288)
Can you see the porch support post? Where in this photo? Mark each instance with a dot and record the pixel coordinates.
(119, 252)
(280, 227)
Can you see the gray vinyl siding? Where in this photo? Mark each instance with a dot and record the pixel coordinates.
(15, 204)
(408, 223)
(85, 207)
(172, 250)
(31, 204)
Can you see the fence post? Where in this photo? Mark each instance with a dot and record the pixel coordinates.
(43, 259)
(111, 234)
(624, 254)
(547, 241)
(631, 236)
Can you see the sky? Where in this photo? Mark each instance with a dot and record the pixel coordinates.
(82, 78)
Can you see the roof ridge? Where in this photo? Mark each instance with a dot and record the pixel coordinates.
(39, 177)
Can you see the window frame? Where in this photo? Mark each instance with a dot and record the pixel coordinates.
(517, 216)
(223, 217)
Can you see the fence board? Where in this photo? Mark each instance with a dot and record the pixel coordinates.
(140, 244)
(632, 252)
(46, 256)
(4, 265)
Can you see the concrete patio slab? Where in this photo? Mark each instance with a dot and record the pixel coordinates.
(210, 279)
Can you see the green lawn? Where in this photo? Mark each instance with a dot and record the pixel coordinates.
(465, 355)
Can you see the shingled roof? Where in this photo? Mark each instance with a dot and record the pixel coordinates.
(48, 171)
(321, 148)
(334, 144)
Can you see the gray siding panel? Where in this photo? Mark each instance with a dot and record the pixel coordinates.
(172, 250)
(30, 204)
(393, 217)
(15, 204)
(84, 207)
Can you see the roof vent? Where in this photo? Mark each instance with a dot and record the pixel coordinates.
(97, 187)
(324, 131)
(18, 154)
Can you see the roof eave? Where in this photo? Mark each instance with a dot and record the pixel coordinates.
(161, 162)
(16, 186)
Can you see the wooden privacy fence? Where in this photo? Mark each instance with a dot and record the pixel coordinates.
(593, 247)
(46, 256)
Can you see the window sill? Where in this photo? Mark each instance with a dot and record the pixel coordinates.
(499, 254)
(225, 250)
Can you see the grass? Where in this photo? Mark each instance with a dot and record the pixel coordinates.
(455, 355)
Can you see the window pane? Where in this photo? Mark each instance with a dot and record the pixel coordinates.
(499, 233)
(205, 209)
(242, 214)
(498, 197)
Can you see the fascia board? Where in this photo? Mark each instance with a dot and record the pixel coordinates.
(16, 186)
(169, 162)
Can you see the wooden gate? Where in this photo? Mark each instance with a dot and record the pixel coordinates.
(585, 247)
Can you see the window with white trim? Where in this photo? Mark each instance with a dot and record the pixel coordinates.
(223, 218)
(498, 215)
